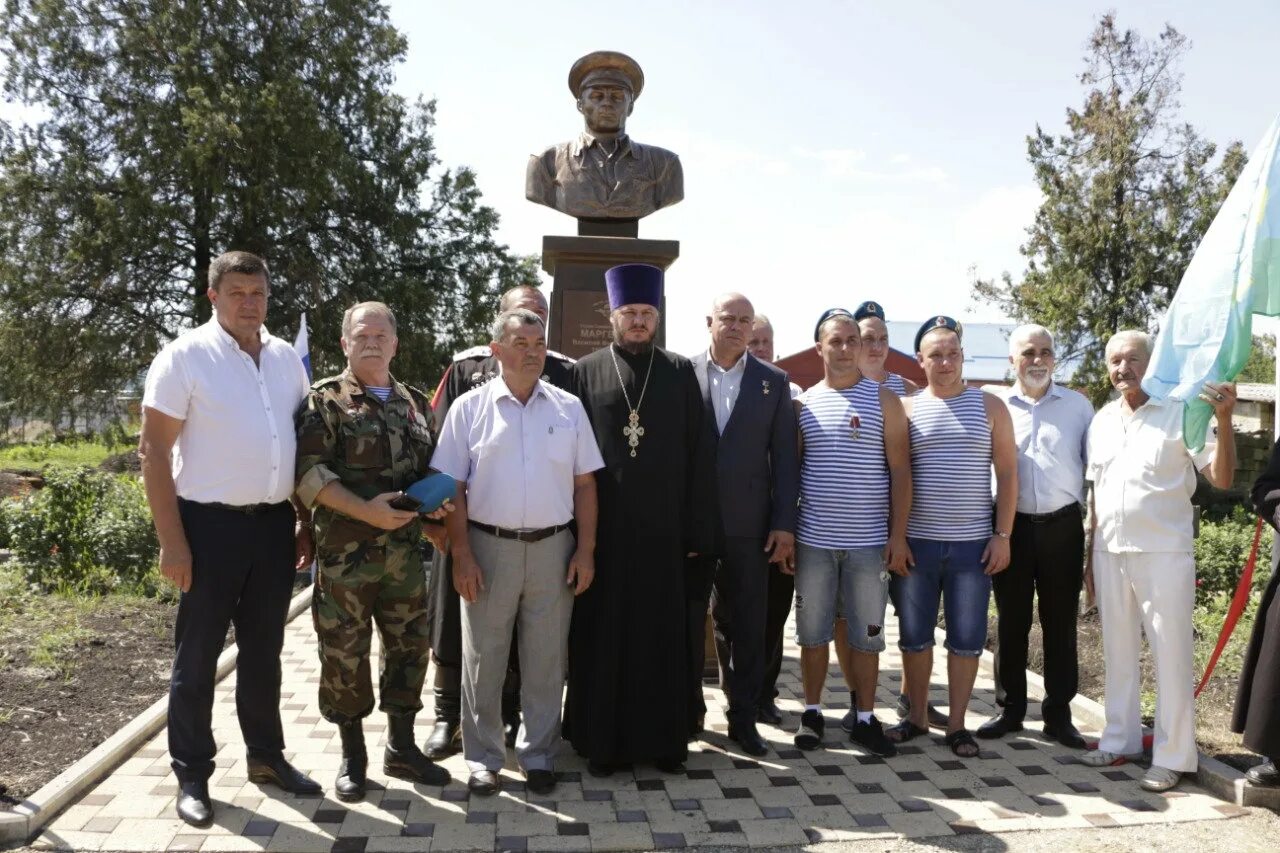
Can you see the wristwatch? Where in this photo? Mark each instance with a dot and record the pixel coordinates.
(1002, 534)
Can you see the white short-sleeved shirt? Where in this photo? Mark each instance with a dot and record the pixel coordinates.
(237, 444)
(1143, 477)
(518, 461)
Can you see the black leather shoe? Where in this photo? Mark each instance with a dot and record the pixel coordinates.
(540, 781)
(402, 758)
(1065, 733)
(194, 806)
(1000, 725)
(277, 771)
(483, 783)
(669, 765)
(600, 769)
(445, 740)
(353, 772)
(746, 736)
(769, 714)
(1266, 775)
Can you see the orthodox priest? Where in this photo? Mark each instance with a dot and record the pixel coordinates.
(628, 696)
(1257, 713)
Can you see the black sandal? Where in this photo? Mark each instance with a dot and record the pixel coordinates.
(962, 738)
(904, 731)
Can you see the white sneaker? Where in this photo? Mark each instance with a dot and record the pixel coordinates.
(1101, 758)
(1160, 779)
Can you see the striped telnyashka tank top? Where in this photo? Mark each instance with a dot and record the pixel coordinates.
(895, 384)
(950, 468)
(844, 478)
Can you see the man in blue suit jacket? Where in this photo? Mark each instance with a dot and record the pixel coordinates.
(758, 474)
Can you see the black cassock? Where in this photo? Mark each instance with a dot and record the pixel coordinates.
(1257, 712)
(628, 683)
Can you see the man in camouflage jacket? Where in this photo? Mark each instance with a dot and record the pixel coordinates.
(363, 437)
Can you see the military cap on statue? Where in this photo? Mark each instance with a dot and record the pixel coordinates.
(868, 309)
(827, 315)
(942, 321)
(634, 284)
(606, 66)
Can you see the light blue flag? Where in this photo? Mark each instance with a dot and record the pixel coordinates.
(1235, 273)
(300, 345)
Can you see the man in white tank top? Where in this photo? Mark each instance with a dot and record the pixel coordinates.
(957, 435)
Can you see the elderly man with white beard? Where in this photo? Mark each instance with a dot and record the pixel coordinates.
(1051, 427)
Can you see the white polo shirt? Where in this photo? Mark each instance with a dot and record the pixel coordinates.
(237, 444)
(518, 461)
(1143, 478)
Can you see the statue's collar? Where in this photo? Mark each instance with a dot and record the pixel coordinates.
(585, 140)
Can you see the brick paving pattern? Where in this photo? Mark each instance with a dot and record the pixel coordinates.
(789, 797)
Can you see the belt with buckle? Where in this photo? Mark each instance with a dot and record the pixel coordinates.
(519, 535)
(247, 509)
(1040, 518)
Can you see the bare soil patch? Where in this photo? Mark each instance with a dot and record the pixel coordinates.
(72, 672)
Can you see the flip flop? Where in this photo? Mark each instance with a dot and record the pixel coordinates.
(904, 731)
(962, 738)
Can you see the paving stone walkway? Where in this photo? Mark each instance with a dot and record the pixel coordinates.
(789, 797)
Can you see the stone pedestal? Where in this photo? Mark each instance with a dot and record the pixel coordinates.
(579, 303)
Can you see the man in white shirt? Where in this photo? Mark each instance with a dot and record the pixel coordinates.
(220, 400)
(1142, 564)
(524, 456)
(1050, 426)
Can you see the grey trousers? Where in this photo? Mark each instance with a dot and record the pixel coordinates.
(525, 582)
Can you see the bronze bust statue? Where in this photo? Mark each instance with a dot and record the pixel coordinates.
(603, 174)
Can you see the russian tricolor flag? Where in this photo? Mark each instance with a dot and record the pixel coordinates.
(300, 345)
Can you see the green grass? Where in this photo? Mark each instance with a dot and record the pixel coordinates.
(55, 649)
(71, 453)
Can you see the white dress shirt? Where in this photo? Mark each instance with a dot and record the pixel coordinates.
(237, 444)
(518, 461)
(724, 386)
(1052, 435)
(1143, 477)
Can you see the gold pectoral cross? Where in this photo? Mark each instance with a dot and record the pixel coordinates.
(633, 431)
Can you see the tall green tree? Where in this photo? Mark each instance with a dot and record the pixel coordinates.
(173, 130)
(1128, 190)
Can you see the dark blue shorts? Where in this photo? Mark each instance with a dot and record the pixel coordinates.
(953, 573)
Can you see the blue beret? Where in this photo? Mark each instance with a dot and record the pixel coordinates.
(868, 309)
(942, 321)
(634, 284)
(432, 491)
(827, 315)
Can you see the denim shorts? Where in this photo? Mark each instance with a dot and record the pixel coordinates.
(853, 580)
(954, 572)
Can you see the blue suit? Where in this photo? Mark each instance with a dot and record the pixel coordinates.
(758, 484)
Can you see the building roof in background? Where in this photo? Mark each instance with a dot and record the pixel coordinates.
(1261, 392)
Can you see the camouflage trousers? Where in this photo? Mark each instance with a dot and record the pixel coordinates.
(386, 587)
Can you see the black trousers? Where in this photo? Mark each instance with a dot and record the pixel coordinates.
(241, 574)
(699, 573)
(782, 587)
(1047, 561)
(739, 607)
(446, 648)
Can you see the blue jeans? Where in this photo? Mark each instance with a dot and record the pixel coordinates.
(854, 580)
(951, 571)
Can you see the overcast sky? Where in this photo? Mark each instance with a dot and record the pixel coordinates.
(832, 151)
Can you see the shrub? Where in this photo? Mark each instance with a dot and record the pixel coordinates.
(6, 509)
(86, 531)
(1221, 551)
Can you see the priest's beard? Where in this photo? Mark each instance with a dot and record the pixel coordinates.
(632, 347)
